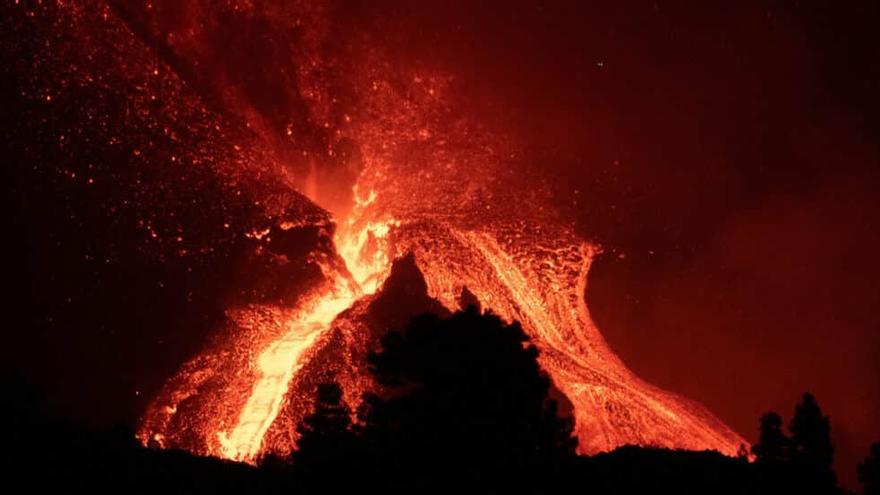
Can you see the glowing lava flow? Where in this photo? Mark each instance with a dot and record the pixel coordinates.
(366, 265)
(277, 365)
(544, 291)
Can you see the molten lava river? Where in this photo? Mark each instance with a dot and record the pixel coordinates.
(401, 196)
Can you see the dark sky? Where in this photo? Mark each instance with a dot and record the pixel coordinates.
(725, 157)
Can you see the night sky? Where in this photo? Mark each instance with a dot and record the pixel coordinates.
(725, 158)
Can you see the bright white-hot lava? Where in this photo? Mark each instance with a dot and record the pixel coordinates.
(276, 366)
(366, 261)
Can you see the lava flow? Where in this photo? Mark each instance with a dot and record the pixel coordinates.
(283, 357)
(277, 364)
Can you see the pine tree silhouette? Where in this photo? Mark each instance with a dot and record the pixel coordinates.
(799, 463)
(812, 452)
(772, 444)
(811, 435)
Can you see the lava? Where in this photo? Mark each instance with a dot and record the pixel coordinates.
(366, 265)
(276, 365)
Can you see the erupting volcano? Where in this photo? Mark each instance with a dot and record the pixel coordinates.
(427, 182)
(518, 267)
(371, 184)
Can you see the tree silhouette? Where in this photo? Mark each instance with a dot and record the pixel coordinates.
(811, 448)
(326, 441)
(772, 453)
(465, 404)
(869, 471)
(329, 424)
(801, 462)
(811, 434)
(772, 444)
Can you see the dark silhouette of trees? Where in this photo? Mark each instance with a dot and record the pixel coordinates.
(869, 471)
(462, 403)
(644, 470)
(462, 406)
(772, 444)
(327, 431)
(811, 448)
(801, 462)
(325, 457)
(466, 398)
(772, 456)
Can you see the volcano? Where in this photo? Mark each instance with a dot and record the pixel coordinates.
(532, 273)
(370, 197)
